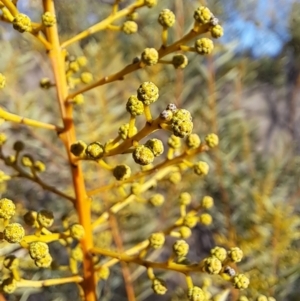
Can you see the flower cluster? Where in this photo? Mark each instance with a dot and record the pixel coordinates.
(165, 158)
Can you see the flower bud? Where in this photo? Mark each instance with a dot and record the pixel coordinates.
(44, 262)
(182, 128)
(7, 208)
(78, 148)
(212, 140)
(78, 99)
(185, 232)
(159, 286)
(27, 161)
(82, 61)
(204, 46)
(13, 233)
(157, 240)
(201, 168)
(45, 218)
(207, 202)
(86, 77)
(216, 31)
(190, 221)
(147, 93)
(166, 18)
(157, 200)
(212, 265)
(235, 254)
(39, 166)
(185, 198)
(18, 146)
(95, 150)
(9, 285)
(202, 15)
(129, 27)
(205, 219)
(134, 106)
(193, 141)
(240, 281)
(181, 248)
(150, 56)
(38, 250)
(196, 294)
(156, 146)
(45, 83)
(122, 172)
(22, 23)
(30, 218)
(77, 231)
(48, 19)
(174, 142)
(219, 252)
(123, 131)
(143, 155)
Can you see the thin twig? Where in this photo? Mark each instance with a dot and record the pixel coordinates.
(30, 122)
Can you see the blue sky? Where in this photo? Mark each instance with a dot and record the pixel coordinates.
(261, 26)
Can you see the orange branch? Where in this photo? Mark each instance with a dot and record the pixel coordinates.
(68, 137)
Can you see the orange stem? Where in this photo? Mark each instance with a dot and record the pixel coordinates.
(68, 137)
